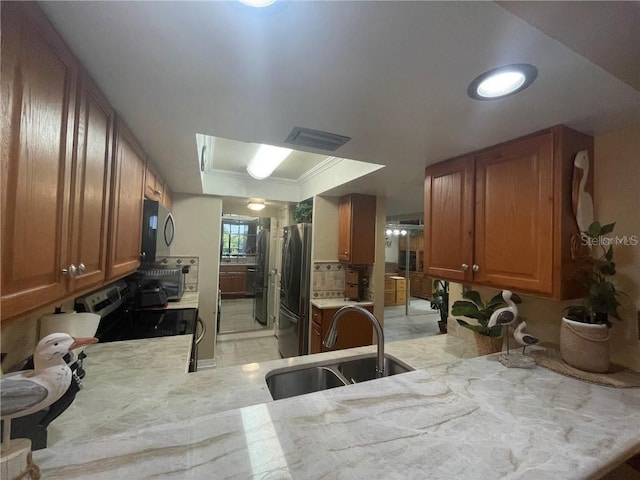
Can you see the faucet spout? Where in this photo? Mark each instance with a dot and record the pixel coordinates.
(332, 335)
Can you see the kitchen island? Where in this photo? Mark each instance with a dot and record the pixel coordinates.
(451, 418)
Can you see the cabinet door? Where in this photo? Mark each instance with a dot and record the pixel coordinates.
(344, 229)
(356, 229)
(316, 337)
(353, 330)
(448, 229)
(167, 199)
(39, 77)
(92, 174)
(127, 204)
(514, 215)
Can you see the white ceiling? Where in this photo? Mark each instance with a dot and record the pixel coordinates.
(390, 75)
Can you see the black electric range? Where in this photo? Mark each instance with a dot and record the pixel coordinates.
(121, 318)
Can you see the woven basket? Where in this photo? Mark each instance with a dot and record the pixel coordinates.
(488, 345)
(585, 346)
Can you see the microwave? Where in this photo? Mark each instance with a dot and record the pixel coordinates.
(158, 231)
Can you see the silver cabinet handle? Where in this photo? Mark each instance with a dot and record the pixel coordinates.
(475, 267)
(82, 267)
(204, 330)
(65, 271)
(143, 255)
(465, 266)
(73, 270)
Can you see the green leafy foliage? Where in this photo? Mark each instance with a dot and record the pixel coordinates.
(602, 297)
(473, 307)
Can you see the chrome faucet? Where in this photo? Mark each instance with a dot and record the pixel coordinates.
(332, 334)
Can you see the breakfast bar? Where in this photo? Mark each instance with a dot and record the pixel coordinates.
(453, 417)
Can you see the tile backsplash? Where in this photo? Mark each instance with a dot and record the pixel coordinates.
(327, 280)
(191, 279)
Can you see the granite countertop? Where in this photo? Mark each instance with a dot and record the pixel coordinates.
(323, 303)
(188, 300)
(471, 419)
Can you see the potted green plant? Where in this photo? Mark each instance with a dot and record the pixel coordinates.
(584, 334)
(440, 302)
(488, 339)
(303, 212)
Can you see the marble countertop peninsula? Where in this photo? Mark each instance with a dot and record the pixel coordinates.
(188, 300)
(451, 418)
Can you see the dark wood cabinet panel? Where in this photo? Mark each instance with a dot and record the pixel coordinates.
(354, 330)
(356, 229)
(233, 280)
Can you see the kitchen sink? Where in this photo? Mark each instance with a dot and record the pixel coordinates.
(289, 383)
(312, 377)
(363, 369)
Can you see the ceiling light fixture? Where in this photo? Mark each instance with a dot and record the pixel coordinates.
(258, 3)
(256, 206)
(502, 81)
(266, 160)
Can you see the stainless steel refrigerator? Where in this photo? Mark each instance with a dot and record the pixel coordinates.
(261, 283)
(294, 317)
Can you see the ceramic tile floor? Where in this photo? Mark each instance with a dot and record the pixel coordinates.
(250, 350)
(236, 315)
(421, 322)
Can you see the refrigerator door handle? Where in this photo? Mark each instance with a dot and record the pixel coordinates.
(292, 317)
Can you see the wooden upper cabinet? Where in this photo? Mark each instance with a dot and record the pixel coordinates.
(167, 198)
(126, 207)
(155, 188)
(39, 77)
(356, 229)
(448, 219)
(514, 215)
(502, 217)
(92, 175)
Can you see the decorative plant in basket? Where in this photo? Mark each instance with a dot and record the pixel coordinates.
(602, 297)
(584, 335)
(488, 340)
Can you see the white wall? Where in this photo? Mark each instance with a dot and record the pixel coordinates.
(198, 234)
(325, 229)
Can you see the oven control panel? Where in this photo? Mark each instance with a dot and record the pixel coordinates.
(103, 301)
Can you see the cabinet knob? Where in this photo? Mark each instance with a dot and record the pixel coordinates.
(475, 267)
(82, 267)
(73, 270)
(465, 266)
(143, 255)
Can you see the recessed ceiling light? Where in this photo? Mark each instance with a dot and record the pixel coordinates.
(502, 81)
(258, 3)
(256, 206)
(265, 161)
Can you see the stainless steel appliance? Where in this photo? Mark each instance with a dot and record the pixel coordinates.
(261, 284)
(121, 319)
(171, 280)
(158, 231)
(294, 318)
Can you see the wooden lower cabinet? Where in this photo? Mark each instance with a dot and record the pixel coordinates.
(354, 330)
(233, 280)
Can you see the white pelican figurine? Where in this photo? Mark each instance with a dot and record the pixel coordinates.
(29, 391)
(504, 316)
(582, 201)
(523, 338)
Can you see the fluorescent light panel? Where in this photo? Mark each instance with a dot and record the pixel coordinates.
(266, 160)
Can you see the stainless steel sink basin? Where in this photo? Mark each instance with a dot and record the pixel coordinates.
(364, 369)
(289, 383)
(312, 377)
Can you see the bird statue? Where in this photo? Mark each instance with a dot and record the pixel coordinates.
(29, 391)
(523, 338)
(504, 316)
(582, 201)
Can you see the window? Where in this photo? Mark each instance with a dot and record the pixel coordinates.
(234, 238)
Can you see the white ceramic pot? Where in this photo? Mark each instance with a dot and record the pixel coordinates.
(585, 346)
